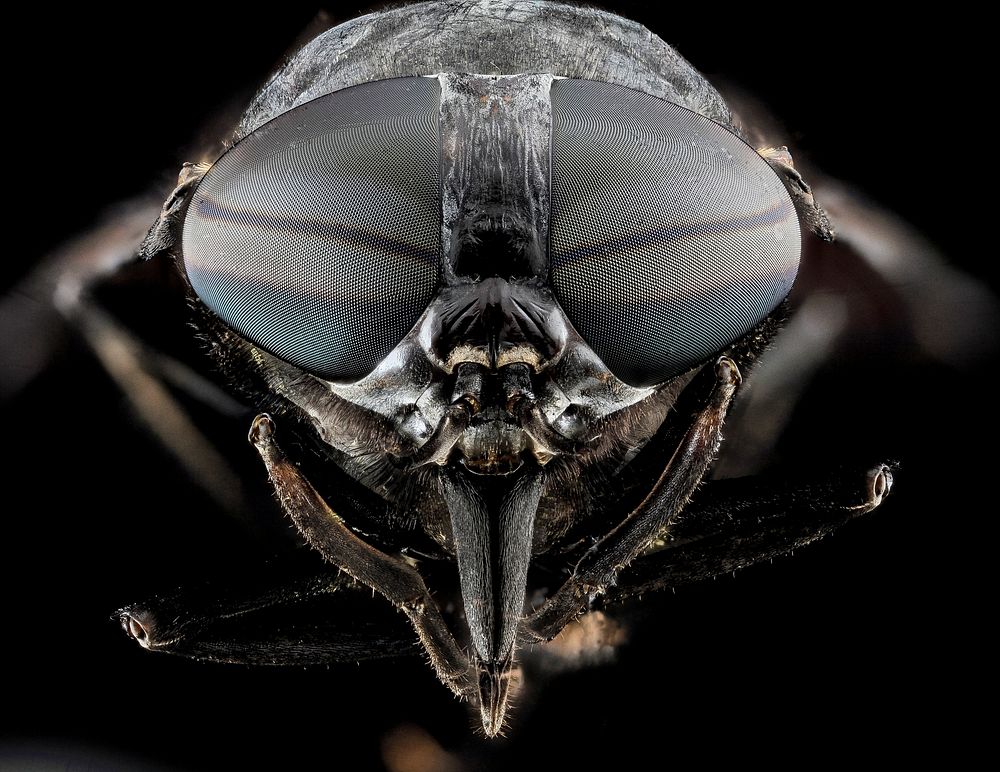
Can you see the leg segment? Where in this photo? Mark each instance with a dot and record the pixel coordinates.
(32, 314)
(127, 361)
(599, 567)
(780, 380)
(305, 620)
(732, 524)
(398, 581)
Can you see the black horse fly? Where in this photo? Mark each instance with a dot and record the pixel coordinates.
(505, 293)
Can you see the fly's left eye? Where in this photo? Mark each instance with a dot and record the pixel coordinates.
(670, 237)
(317, 237)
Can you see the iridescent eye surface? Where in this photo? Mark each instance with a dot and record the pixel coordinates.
(317, 237)
(670, 237)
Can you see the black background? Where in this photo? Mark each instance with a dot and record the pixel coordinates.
(869, 642)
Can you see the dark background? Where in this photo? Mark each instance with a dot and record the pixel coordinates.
(869, 642)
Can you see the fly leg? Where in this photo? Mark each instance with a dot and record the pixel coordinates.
(400, 583)
(59, 295)
(129, 363)
(731, 524)
(599, 567)
(271, 619)
(765, 409)
(33, 313)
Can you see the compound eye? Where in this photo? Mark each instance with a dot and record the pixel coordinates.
(670, 237)
(317, 236)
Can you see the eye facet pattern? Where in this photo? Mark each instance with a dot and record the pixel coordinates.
(317, 237)
(670, 237)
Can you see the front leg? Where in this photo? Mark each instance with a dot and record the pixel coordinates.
(732, 524)
(399, 582)
(271, 618)
(599, 568)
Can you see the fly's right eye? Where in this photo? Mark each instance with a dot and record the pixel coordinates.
(670, 236)
(317, 237)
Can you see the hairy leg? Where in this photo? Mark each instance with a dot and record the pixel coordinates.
(58, 296)
(127, 361)
(599, 567)
(731, 524)
(400, 583)
(267, 620)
